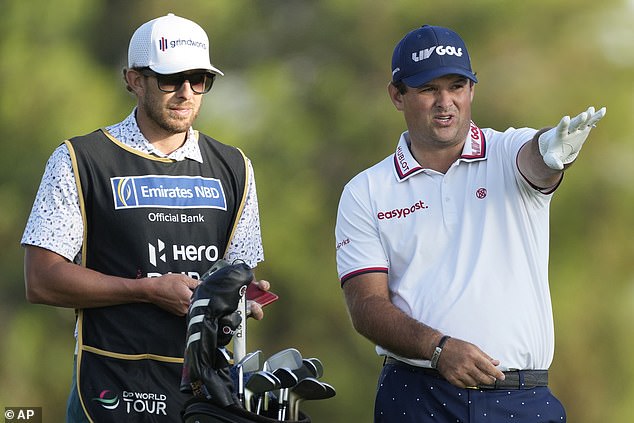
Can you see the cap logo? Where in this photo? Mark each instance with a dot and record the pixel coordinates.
(163, 44)
(426, 53)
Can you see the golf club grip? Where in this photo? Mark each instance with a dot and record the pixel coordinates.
(240, 337)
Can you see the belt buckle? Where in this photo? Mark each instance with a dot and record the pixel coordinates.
(486, 387)
(511, 381)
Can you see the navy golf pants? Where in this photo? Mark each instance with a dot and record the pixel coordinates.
(405, 395)
(74, 410)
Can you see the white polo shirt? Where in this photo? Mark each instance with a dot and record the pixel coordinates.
(466, 252)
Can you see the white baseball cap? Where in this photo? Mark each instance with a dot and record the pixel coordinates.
(170, 44)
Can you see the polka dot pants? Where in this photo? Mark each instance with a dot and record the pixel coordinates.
(405, 395)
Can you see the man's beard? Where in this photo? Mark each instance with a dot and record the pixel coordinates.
(160, 115)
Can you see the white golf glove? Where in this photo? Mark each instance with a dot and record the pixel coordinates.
(561, 145)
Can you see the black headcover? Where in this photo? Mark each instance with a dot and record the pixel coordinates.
(211, 322)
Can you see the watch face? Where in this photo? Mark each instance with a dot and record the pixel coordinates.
(435, 357)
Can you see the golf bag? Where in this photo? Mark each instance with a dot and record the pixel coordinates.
(200, 411)
(211, 322)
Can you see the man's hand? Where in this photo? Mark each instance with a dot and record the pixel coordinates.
(253, 308)
(172, 292)
(560, 146)
(465, 365)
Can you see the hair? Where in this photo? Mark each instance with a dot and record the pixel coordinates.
(400, 86)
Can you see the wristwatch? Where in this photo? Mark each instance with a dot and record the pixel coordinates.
(436, 356)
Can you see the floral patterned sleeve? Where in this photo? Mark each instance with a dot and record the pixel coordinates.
(55, 222)
(246, 243)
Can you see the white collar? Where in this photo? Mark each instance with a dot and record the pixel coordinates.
(406, 166)
(129, 133)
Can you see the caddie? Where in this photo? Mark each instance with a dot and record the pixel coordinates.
(127, 219)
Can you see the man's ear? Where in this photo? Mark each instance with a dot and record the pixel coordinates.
(395, 96)
(133, 80)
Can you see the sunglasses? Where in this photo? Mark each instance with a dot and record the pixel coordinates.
(201, 83)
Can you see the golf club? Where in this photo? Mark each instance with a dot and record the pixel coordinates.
(240, 337)
(317, 365)
(289, 358)
(308, 389)
(250, 363)
(258, 383)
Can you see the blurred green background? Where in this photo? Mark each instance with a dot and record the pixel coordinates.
(305, 97)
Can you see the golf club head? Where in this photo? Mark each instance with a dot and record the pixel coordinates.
(330, 391)
(286, 376)
(306, 389)
(309, 388)
(290, 358)
(317, 365)
(251, 362)
(310, 368)
(287, 379)
(258, 383)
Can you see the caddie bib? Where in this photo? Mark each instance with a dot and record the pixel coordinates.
(146, 216)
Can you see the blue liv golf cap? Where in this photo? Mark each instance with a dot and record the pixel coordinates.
(430, 52)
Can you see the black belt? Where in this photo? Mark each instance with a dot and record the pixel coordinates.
(514, 379)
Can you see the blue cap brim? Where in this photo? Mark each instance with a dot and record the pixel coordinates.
(422, 78)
